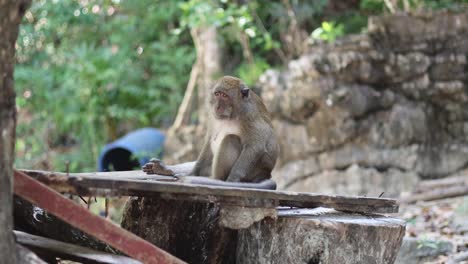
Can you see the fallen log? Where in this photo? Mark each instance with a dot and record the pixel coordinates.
(437, 194)
(428, 185)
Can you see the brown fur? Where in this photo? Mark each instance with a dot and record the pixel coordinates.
(241, 136)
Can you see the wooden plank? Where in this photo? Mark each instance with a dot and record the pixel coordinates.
(139, 175)
(136, 175)
(69, 251)
(79, 217)
(122, 185)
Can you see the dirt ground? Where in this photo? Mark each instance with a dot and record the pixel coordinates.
(437, 223)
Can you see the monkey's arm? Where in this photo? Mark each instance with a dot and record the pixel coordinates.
(204, 160)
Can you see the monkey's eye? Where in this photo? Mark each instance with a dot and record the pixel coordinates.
(217, 94)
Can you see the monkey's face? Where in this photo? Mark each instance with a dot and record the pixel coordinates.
(228, 96)
(222, 103)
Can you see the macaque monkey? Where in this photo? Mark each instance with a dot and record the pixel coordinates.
(240, 146)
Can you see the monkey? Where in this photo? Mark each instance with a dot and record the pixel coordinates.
(240, 145)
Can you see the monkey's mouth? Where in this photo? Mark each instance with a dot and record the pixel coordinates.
(221, 112)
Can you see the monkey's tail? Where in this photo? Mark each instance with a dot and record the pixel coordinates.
(268, 184)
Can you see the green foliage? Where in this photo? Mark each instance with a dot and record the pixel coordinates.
(250, 73)
(439, 4)
(230, 17)
(89, 70)
(329, 31)
(352, 23)
(378, 6)
(375, 6)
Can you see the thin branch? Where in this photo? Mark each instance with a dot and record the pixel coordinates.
(278, 51)
(390, 6)
(184, 109)
(246, 51)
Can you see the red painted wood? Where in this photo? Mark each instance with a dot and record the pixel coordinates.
(79, 217)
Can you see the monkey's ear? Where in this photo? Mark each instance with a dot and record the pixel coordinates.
(245, 91)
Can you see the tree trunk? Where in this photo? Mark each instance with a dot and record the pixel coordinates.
(11, 12)
(183, 144)
(209, 56)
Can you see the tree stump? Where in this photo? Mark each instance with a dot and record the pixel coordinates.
(196, 233)
(188, 230)
(322, 236)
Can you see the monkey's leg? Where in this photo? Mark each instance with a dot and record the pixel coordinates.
(226, 157)
(244, 165)
(262, 169)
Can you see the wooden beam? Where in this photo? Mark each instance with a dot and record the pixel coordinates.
(79, 217)
(123, 184)
(69, 251)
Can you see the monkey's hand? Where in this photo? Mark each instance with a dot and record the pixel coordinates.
(155, 166)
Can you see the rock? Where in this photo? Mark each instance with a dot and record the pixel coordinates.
(403, 158)
(442, 160)
(448, 67)
(294, 141)
(401, 126)
(295, 171)
(419, 251)
(427, 32)
(356, 180)
(329, 128)
(391, 104)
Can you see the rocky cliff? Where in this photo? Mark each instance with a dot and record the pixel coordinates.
(374, 112)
